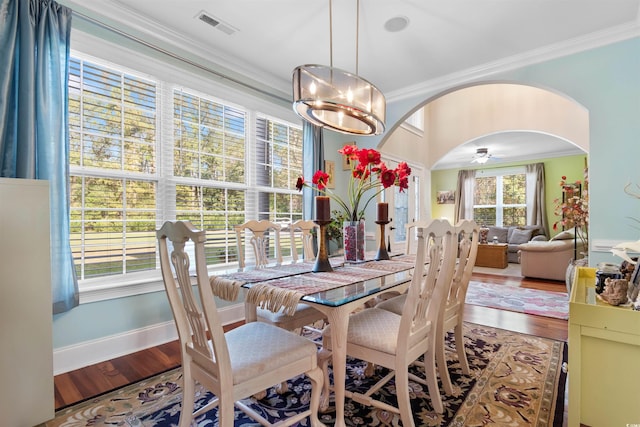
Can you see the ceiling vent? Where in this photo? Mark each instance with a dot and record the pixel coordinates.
(216, 23)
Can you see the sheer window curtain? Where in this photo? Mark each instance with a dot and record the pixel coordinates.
(463, 200)
(313, 159)
(536, 206)
(34, 144)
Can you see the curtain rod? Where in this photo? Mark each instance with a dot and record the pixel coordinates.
(178, 57)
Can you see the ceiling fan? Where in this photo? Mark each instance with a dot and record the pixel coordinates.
(482, 156)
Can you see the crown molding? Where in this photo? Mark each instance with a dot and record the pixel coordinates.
(569, 47)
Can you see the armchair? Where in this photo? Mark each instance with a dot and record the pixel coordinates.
(549, 259)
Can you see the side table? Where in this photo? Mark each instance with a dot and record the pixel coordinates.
(492, 255)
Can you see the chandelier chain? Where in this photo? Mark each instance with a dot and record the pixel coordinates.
(330, 34)
(357, 33)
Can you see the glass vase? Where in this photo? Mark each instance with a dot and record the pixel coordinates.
(353, 240)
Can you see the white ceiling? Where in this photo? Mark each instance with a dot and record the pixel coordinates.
(507, 147)
(444, 39)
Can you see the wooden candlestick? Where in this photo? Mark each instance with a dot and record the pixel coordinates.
(382, 250)
(322, 259)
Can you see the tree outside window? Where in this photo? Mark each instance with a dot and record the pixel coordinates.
(500, 200)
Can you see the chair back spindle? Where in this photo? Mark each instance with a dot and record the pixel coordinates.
(261, 233)
(301, 236)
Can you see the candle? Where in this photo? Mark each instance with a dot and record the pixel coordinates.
(323, 209)
(383, 212)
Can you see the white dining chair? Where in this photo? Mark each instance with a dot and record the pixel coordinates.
(395, 341)
(301, 236)
(265, 237)
(233, 365)
(410, 233)
(467, 236)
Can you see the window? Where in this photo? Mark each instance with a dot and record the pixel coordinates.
(279, 164)
(143, 151)
(415, 122)
(500, 198)
(113, 159)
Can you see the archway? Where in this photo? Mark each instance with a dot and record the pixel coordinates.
(461, 115)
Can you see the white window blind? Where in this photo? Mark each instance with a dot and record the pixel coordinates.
(143, 151)
(278, 166)
(112, 122)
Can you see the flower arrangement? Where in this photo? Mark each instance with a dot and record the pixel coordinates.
(368, 172)
(573, 208)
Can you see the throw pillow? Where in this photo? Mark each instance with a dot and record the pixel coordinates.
(499, 232)
(537, 230)
(520, 236)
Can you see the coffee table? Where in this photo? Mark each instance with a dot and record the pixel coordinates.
(492, 255)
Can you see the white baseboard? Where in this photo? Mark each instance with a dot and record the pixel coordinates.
(87, 353)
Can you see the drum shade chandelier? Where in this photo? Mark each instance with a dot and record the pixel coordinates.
(336, 99)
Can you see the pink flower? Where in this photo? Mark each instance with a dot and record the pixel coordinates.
(573, 208)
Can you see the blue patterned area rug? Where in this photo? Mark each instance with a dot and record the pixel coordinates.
(516, 379)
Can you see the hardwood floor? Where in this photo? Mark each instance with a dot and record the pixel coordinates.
(75, 386)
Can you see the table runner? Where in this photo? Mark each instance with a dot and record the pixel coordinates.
(280, 290)
(275, 272)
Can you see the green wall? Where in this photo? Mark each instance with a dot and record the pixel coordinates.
(570, 166)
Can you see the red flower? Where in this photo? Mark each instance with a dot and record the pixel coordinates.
(350, 151)
(403, 170)
(368, 157)
(368, 172)
(403, 183)
(320, 178)
(387, 177)
(360, 172)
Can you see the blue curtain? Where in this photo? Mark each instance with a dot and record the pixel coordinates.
(313, 159)
(34, 143)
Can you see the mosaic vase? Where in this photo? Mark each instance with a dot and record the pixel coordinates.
(353, 239)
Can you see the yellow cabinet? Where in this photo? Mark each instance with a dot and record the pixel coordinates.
(604, 358)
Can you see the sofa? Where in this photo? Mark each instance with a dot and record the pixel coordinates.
(514, 236)
(549, 260)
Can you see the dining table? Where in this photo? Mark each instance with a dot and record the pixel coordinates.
(335, 293)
